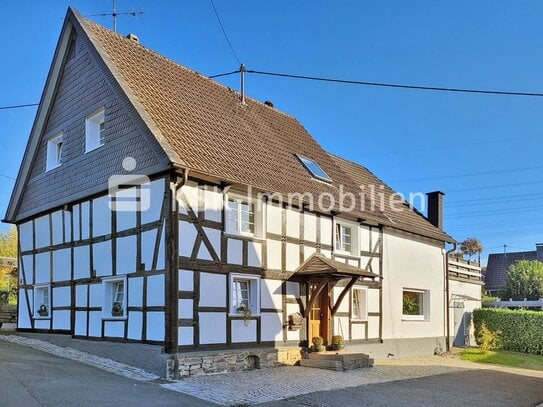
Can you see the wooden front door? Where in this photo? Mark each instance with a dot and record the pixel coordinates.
(319, 314)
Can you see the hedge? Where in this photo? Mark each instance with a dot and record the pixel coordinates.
(521, 331)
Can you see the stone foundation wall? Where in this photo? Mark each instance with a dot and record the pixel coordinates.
(198, 363)
(8, 314)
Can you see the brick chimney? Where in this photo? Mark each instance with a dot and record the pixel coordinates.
(539, 251)
(435, 208)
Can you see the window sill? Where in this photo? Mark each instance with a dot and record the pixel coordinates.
(242, 235)
(345, 254)
(52, 168)
(419, 318)
(112, 318)
(90, 150)
(230, 314)
(41, 318)
(358, 320)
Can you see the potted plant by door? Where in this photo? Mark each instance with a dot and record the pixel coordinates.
(318, 344)
(338, 343)
(117, 309)
(42, 311)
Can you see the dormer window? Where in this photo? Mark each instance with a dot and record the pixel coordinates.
(95, 130)
(314, 169)
(54, 152)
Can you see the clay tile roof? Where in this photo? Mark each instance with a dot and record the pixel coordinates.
(203, 126)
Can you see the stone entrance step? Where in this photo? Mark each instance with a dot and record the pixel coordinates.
(338, 361)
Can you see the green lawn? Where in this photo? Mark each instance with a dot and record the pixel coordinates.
(503, 357)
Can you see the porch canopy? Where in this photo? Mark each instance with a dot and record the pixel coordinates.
(327, 272)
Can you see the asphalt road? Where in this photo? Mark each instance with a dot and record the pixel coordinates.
(31, 378)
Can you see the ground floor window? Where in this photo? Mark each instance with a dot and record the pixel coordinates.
(415, 304)
(244, 294)
(42, 302)
(114, 298)
(359, 304)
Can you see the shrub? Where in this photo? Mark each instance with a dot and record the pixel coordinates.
(520, 331)
(487, 339)
(337, 340)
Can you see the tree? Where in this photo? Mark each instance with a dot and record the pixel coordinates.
(471, 246)
(8, 243)
(524, 280)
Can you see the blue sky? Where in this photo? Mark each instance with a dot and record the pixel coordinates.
(483, 151)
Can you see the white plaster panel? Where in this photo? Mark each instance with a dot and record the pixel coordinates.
(155, 326)
(28, 266)
(62, 265)
(81, 295)
(308, 251)
(254, 254)
(135, 324)
(26, 236)
(23, 319)
(81, 323)
(76, 213)
(214, 237)
(58, 227)
(126, 255)
(326, 230)
(68, 226)
(274, 255)
(293, 290)
(310, 227)
(374, 238)
(155, 290)
(43, 236)
(126, 219)
(62, 297)
(185, 309)
(187, 237)
(212, 290)
(95, 323)
(344, 307)
(96, 295)
(135, 292)
(293, 256)
(203, 252)
(293, 223)
(365, 238)
(81, 262)
(358, 331)
(185, 335)
(43, 267)
(42, 324)
(85, 220)
(213, 205)
(156, 190)
(235, 251)
(102, 258)
(272, 327)
(373, 300)
(148, 240)
(212, 327)
(190, 189)
(373, 328)
(186, 280)
(327, 253)
(375, 264)
(341, 327)
(352, 262)
(243, 332)
(61, 319)
(161, 264)
(270, 296)
(114, 329)
(274, 219)
(101, 216)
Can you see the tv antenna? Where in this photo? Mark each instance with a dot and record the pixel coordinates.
(114, 14)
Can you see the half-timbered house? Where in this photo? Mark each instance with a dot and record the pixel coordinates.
(210, 255)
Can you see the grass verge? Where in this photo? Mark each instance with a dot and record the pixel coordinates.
(505, 358)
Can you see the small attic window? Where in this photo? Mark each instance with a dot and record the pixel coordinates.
(314, 169)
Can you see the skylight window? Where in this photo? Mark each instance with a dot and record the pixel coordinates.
(314, 169)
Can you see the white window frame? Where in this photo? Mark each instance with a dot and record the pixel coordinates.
(425, 315)
(364, 317)
(108, 285)
(258, 216)
(55, 145)
(93, 134)
(254, 293)
(355, 251)
(36, 304)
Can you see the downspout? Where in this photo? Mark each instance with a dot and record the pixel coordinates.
(447, 309)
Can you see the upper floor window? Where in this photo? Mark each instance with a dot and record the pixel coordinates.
(344, 241)
(94, 130)
(314, 169)
(240, 216)
(54, 152)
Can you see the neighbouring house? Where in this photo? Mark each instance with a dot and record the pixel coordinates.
(498, 267)
(202, 254)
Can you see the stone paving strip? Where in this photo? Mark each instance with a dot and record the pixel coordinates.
(263, 385)
(99, 362)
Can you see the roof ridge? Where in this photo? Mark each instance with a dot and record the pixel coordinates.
(172, 61)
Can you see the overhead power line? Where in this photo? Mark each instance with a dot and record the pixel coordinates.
(18, 106)
(224, 33)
